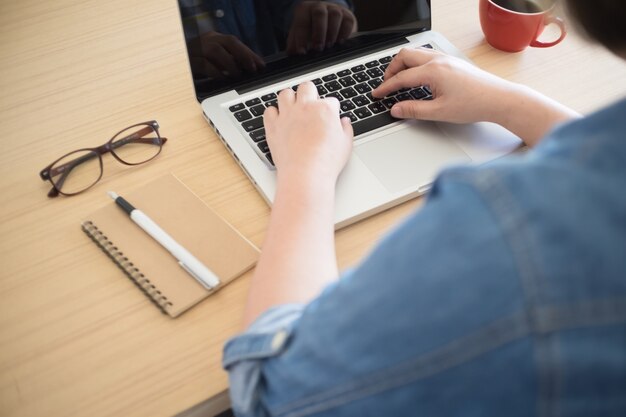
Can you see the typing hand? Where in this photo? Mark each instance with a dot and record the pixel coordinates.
(307, 139)
(318, 25)
(220, 56)
(462, 93)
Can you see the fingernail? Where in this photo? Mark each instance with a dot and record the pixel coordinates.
(396, 111)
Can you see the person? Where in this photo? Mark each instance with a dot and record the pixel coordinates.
(505, 294)
(229, 40)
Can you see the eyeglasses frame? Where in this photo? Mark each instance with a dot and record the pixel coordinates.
(108, 147)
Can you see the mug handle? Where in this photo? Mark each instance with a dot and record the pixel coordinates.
(551, 19)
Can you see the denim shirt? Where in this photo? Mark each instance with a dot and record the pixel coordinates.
(505, 295)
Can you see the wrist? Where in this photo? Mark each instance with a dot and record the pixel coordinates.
(527, 113)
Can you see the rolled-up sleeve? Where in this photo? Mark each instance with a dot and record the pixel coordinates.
(243, 354)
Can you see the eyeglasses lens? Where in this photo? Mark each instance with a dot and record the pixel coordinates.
(137, 145)
(76, 171)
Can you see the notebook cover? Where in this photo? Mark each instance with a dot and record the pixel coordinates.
(178, 211)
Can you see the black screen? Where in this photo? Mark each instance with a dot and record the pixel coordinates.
(243, 44)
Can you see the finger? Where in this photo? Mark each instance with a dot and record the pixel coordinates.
(269, 120)
(416, 109)
(334, 24)
(286, 98)
(411, 77)
(307, 92)
(299, 33)
(348, 25)
(319, 24)
(220, 58)
(346, 124)
(408, 58)
(244, 56)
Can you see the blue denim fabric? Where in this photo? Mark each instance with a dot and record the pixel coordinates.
(504, 295)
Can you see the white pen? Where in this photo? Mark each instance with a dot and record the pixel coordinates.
(185, 259)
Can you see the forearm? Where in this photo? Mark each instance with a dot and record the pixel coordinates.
(298, 255)
(529, 114)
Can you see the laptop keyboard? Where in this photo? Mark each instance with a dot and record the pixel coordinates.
(351, 86)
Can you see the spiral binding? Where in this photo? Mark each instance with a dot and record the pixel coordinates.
(126, 265)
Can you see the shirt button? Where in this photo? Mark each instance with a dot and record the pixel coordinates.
(279, 340)
(219, 13)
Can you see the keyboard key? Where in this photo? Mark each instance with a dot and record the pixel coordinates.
(254, 124)
(362, 113)
(429, 46)
(269, 158)
(374, 72)
(258, 135)
(236, 107)
(321, 90)
(347, 105)
(344, 73)
(329, 77)
(317, 81)
(360, 101)
(349, 115)
(385, 60)
(372, 64)
(257, 110)
(363, 88)
(372, 98)
(377, 107)
(374, 83)
(361, 77)
(263, 146)
(272, 103)
(253, 102)
(404, 97)
(347, 81)
(243, 115)
(418, 93)
(389, 102)
(268, 97)
(371, 123)
(383, 67)
(427, 89)
(335, 95)
(333, 86)
(358, 68)
(348, 92)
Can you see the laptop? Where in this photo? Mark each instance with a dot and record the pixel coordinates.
(246, 56)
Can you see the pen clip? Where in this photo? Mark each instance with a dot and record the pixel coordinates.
(200, 280)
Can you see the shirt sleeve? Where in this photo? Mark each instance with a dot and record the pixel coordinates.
(390, 328)
(243, 355)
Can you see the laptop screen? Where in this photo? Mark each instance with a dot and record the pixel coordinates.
(244, 44)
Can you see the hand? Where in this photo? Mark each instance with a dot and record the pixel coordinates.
(306, 137)
(463, 93)
(318, 25)
(219, 56)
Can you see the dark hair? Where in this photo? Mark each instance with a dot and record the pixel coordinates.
(603, 20)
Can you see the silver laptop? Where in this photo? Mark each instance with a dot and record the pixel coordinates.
(245, 56)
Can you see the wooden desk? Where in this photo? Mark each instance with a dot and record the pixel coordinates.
(76, 337)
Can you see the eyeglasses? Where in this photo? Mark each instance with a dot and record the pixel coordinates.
(79, 170)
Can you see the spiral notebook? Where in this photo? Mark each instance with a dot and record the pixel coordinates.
(191, 223)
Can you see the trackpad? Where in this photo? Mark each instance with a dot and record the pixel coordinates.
(410, 156)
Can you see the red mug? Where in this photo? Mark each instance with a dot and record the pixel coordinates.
(514, 25)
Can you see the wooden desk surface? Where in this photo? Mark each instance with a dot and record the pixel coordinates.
(76, 337)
